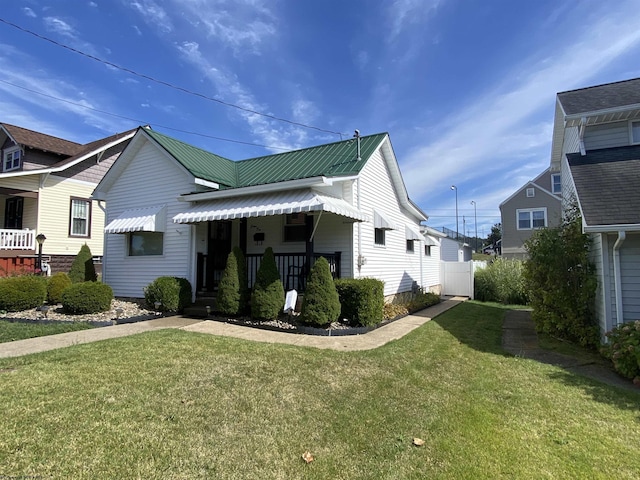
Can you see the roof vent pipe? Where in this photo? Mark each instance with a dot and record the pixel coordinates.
(357, 137)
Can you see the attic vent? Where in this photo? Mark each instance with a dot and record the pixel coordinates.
(531, 192)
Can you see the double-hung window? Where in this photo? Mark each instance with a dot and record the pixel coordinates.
(634, 131)
(529, 219)
(556, 183)
(12, 159)
(80, 218)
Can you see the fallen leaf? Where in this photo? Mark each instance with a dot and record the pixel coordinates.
(307, 457)
(418, 442)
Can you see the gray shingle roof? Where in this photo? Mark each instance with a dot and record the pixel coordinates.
(608, 185)
(42, 141)
(600, 97)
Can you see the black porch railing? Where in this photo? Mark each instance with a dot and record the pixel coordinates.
(292, 267)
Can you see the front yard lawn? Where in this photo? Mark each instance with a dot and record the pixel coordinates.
(173, 404)
(12, 330)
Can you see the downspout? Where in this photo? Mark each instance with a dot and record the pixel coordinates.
(102, 207)
(617, 276)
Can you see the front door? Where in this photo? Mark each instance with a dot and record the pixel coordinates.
(13, 213)
(219, 247)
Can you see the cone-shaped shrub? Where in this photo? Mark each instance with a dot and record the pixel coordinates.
(82, 269)
(228, 299)
(268, 292)
(56, 285)
(320, 305)
(243, 281)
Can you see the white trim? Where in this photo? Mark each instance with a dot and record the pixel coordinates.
(617, 276)
(631, 227)
(530, 211)
(559, 176)
(530, 192)
(207, 183)
(630, 123)
(11, 151)
(594, 113)
(529, 183)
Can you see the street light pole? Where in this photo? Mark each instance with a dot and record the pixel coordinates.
(453, 187)
(475, 222)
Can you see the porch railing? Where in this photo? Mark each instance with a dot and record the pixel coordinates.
(292, 267)
(17, 239)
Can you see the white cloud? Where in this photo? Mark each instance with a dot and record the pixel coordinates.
(153, 14)
(28, 12)
(60, 27)
(403, 13)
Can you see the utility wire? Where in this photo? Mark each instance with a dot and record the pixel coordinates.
(165, 83)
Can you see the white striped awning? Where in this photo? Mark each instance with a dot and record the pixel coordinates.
(276, 203)
(380, 220)
(413, 232)
(431, 241)
(149, 219)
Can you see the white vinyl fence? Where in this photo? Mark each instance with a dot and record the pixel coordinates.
(457, 277)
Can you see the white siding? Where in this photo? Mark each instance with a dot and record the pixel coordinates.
(431, 268)
(606, 135)
(390, 263)
(148, 180)
(571, 140)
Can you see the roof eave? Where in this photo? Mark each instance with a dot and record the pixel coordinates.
(573, 120)
(624, 227)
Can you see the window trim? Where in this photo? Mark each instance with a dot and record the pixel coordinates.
(530, 212)
(631, 141)
(530, 192)
(382, 233)
(553, 183)
(89, 217)
(411, 246)
(11, 151)
(427, 251)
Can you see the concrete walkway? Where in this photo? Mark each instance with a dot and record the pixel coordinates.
(519, 338)
(370, 340)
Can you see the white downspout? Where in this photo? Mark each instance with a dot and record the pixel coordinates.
(617, 275)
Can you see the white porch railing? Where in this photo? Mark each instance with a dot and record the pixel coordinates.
(17, 239)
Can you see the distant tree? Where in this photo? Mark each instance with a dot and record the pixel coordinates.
(495, 235)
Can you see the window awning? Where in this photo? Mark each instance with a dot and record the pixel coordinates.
(413, 232)
(431, 241)
(380, 220)
(149, 219)
(276, 203)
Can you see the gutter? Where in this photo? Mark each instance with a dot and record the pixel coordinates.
(617, 275)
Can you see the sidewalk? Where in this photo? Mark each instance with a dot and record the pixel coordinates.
(370, 340)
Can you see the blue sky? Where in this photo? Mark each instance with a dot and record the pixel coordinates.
(466, 89)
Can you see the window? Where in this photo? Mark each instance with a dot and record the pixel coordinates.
(410, 246)
(556, 183)
(634, 131)
(295, 227)
(80, 218)
(427, 250)
(12, 159)
(145, 243)
(379, 236)
(531, 192)
(532, 218)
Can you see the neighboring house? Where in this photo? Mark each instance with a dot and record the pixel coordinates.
(45, 188)
(596, 148)
(451, 250)
(432, 257)
(537, 204)
(174, 209)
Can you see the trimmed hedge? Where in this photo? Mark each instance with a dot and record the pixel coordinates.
(362, 300)
(56, 285)
(173, 293)
(22, 293)
(320, 304)
(87, 297)
(82, 268)
(267, 298)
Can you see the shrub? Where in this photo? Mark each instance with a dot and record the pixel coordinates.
(393, 310)
(267, 297)
(320, 304)
(423, 300)
(87, 297)
(228, 299)
(501, 281)
(82, 268)
(22, 293)
(362, 300)
(243, 282)
(55, 286)
(562, 283)
(173, 294)
(623, 349)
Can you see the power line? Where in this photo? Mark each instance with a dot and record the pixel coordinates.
(167, 84)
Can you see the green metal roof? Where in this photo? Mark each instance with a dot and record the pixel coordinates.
(329, 160)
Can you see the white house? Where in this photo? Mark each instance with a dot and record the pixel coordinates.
(174, 209)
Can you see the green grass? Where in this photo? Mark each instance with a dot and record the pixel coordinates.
(10, 331)
(179, 405)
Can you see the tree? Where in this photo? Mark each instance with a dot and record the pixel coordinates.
(268, 292)
(243, 282)
(320, 304)
(495, 235)
(82, 269)
(228, 299)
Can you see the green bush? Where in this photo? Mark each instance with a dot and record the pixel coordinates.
(362, 300)
(55, 286)
(423, 300)
(562, 284)
(82, 268)
(87, 297)
(623, 349)
(501, 281)
(243, 281)
(228, 298)
(267, 298)
(320, 304)
(173, 294)
(22, 293)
